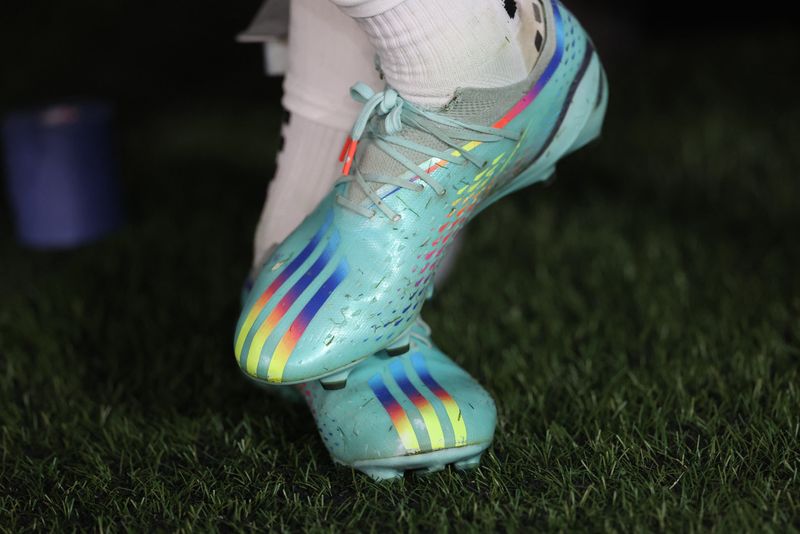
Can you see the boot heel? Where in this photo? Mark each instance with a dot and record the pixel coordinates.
(594, 125)
(582, 124)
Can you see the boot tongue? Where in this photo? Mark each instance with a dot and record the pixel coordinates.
(481, 107)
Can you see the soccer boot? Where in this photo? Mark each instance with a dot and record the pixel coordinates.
(418, 411)
(351, 279)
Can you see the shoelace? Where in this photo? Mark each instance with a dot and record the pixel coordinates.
(399, 114)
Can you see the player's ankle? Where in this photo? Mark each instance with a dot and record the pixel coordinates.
(430, 48)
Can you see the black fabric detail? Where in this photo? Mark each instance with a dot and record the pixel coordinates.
(286, 116)
(539, 41)
(511, 7)
(537, 14)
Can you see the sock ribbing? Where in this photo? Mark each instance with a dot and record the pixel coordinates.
(308, 166)
(430, 48)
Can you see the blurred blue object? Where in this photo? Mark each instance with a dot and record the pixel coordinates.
(61, 174)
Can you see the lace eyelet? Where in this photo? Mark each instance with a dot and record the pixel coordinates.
(397, 218)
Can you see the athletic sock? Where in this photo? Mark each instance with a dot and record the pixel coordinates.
(430, 48)
(327, 54)
(306, 169)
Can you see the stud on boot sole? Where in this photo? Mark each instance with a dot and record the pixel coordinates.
(401, 345)
(335, 381)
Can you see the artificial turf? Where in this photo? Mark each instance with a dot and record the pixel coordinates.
(637, 321)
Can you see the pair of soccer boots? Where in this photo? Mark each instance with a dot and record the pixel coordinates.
(336, 308)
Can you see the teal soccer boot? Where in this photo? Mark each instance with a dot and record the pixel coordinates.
(418, 411)
(349, 282)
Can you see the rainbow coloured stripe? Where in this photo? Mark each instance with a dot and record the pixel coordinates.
(396, 413)
(449, 403)
(482, 185)
(264, 298)
(253, 360)
(426, 409)
(399, 415)
(291, 296)
(551, 68)
(433, 164)
(289, 340)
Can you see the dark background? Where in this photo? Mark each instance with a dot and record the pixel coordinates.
(636, 319)
(145, 54)
(149, 58)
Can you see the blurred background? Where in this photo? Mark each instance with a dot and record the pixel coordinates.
(179, 58)
(175, 59)
(143, 56)
(657, 273)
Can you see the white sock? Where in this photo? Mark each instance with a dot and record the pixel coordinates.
(430, 48)
(328, 53)
(307, 167)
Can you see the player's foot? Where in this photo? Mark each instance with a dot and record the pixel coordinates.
(419, 411)
(351, 279)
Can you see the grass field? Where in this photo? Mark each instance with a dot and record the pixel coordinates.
(637, 320)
